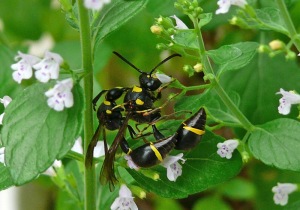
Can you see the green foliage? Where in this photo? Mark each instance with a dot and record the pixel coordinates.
(5, 178)
(28, 130)
(213, 203)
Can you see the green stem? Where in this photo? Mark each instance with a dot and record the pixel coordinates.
(87, 66)
(215, 83)
(289, 23)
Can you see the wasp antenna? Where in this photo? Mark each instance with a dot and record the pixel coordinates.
(126, 61)
(165, 60)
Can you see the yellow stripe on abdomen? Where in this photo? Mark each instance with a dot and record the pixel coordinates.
(156, 152)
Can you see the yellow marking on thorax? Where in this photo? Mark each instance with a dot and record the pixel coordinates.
(107, 103)
(108, 111)
(139, 102)
(156, 152)
(137, 89)
(129, 151)
(194, 130)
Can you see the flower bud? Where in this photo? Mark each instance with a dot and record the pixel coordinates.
(161, 46)
(263, 48)
(290, 55)
(276, 45)
(198, 67)
(245, 156)
(189, 69)
(233, 20)
(155, 29)
(150, 174)
(139, 192)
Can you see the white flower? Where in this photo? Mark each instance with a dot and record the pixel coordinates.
(226, 148)
(2, 152)
(224, 5)
(124, 201)
(51, 170)
(174, 169)
(163, 78)
(48, 68)
(179, 23)
(298, 54)
(288, 98)
(23, 68)
(98, 150)
(61, 96)
(5, 101)
(95, 4)
(282, 191)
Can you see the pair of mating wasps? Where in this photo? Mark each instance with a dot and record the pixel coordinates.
(138, 106)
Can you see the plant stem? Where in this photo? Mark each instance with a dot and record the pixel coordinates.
(87, 66)
(289, 23)
(215, 83)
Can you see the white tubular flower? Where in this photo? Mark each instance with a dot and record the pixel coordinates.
(224, 5)
(282, 191)
(99, 149)
(174, 169)
(124, 201)
(77, 147)
(288, 98)
(179, 23)
(51, 170)
(95, 4)
(163, 78)
(226, 148)
(48, 68)
(5, 101)
(2, 152)
(23, 68)
(60, 95)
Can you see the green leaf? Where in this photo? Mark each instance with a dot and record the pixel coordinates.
(35, 135)
(268, 18)
(277, 143)
(5, 178)
(238, 188)
(213, 104)
(235, 56)
(205, 18)
(211, 203)
(114, 15)
(186, 39)
(200, 171)
(257, 84)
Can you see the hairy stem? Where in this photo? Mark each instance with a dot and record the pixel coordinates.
(87, 66)
(215, 83)
(289, 23)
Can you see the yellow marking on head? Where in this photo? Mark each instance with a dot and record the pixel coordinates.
(137, 89)
(194, 130)
(139, 102)
(107, 103)
(156, 152)
(108, 111)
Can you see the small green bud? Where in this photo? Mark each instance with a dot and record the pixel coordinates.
(245, 156)
(161, 46)
(263, 49)
(139, 192)
(290, 55)
(189, 69)
(209, 77)
(233, 20)
(150, 174)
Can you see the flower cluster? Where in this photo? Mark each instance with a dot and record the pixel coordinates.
(60, 96)
(288, 98)
(46, 68)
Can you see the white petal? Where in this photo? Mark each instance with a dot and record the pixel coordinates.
(125, 192)
(163, 78)
(284, 108)
(232, 143)
(239, 3)
(5, 100)
(56, 57)
(30, 59)
(1, 118)
(42, 76)
(69, 101)
(171, 159)
(95, 4)
(115, 204)
(77, 147)
(224, 6)
(179, 23)
(174, 171)
(289, 96)
(130, 162)
(99, 149)
(2, 152)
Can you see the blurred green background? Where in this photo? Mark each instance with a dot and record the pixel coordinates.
(23, 21)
